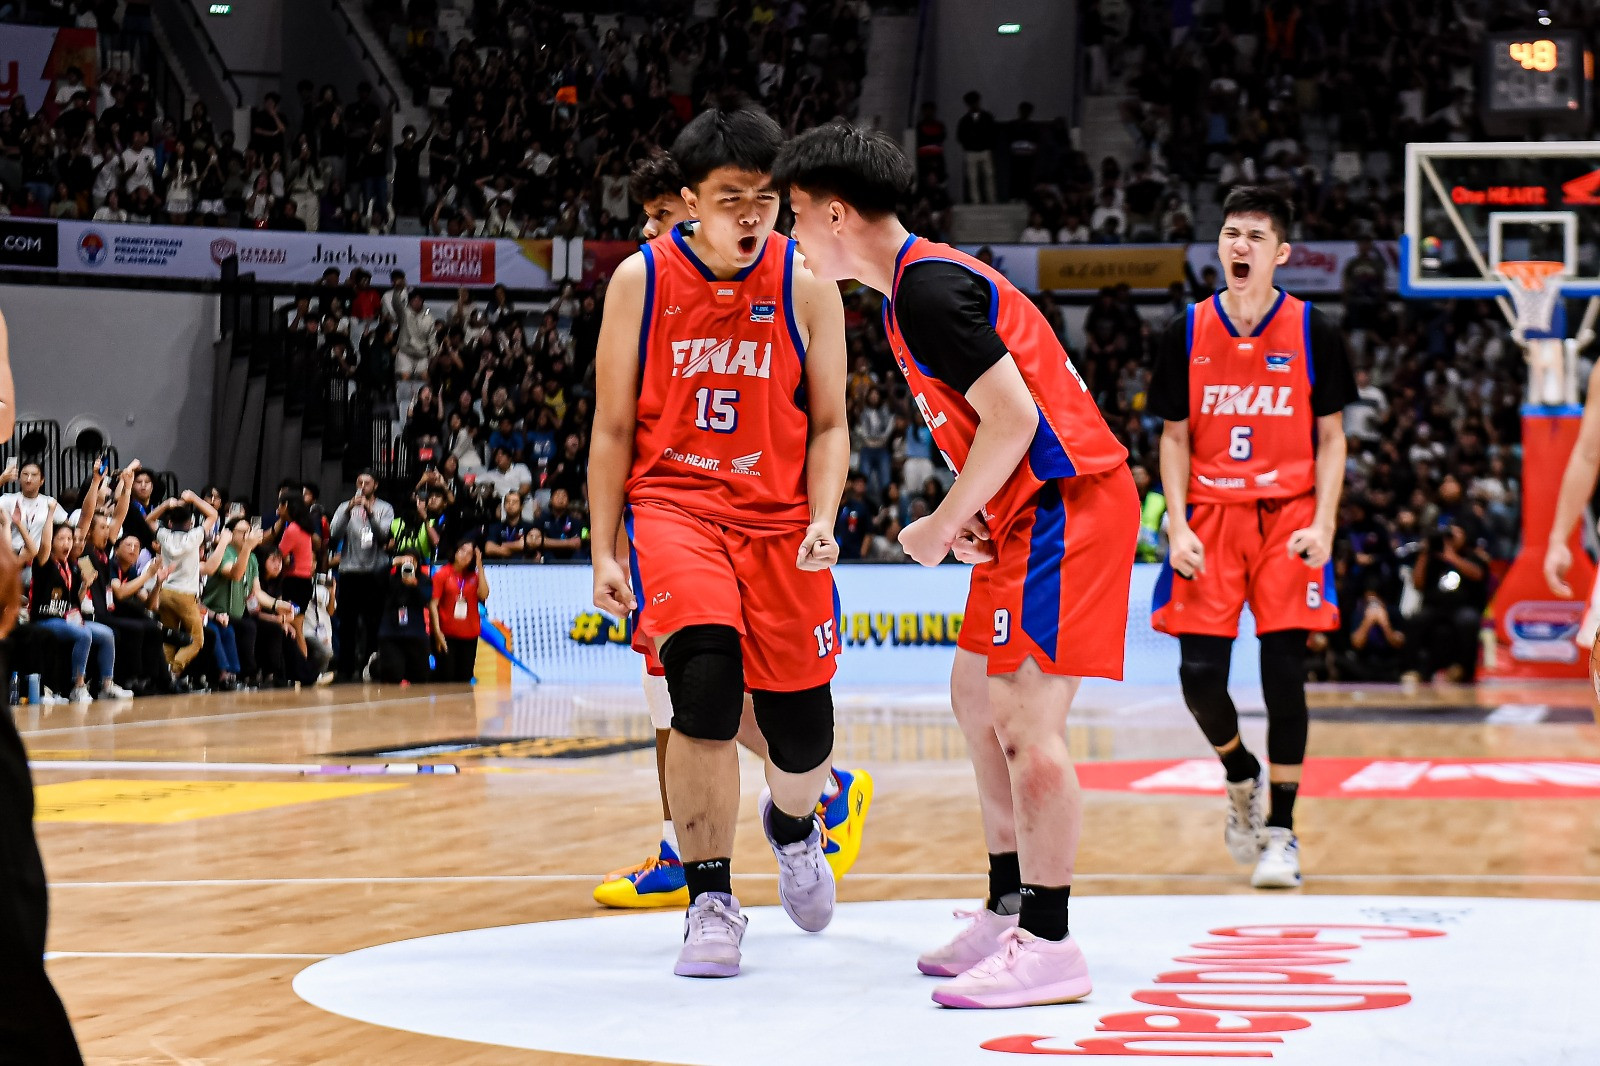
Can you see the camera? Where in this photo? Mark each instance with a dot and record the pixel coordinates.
(408, 568)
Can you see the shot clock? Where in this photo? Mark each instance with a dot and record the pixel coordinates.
(1535, 83)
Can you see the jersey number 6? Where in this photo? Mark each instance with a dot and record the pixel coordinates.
(1239, 445)
(714, 410)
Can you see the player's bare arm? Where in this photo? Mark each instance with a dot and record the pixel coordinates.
(820, 312)
(1007, 421)
(8, 407)
(1186, 554)
(1576, 485)
(1314, 544)
(611, 447)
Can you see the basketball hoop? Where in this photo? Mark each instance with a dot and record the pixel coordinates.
(1535, 286)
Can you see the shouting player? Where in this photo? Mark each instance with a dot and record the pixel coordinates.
(1251, 385)
(720, 429)
(1042, 495)
(847, 794)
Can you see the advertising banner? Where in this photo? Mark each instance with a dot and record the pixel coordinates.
(1018, 262)
(1314, 267)
(33, 57)
(27, 244)
(898, 625)
(192, 253)
(1086, 267)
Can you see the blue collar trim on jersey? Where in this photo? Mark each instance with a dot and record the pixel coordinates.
(705, 271)
(1260, 326)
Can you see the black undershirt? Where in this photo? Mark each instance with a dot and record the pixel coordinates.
(942, 312)
(1333, 383)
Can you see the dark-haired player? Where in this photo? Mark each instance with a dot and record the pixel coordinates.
(720, 431)
(1251, 384)
(659, 881)
(1042, 500)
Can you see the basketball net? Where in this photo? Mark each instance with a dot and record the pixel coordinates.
(1535, 286)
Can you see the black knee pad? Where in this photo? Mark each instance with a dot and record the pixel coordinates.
(1283, 689)
(705, 677)
(798, 727)
(1203, 672)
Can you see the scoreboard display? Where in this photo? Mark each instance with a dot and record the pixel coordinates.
(1535, 83)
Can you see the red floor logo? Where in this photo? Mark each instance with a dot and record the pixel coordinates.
(1261, 980)
(1367, 778)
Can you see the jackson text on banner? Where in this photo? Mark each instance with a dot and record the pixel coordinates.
(1087, 267)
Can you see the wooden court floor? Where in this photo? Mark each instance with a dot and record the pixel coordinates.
(185, 899)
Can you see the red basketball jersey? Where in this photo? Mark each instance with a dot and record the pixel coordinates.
(722, 425)
(1072, 437)
(1251, 428)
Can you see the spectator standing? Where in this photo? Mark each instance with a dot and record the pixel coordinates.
(361, 524)
(180, 541)
(976, 133)
(459, 587)
(931, 135)
(1022, 151)
(417, 342)
(874, 427)
(30, 511)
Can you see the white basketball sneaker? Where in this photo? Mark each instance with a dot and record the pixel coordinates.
(1279, 864)
(1246, 832)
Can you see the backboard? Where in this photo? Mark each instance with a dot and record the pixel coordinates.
(1471, 205)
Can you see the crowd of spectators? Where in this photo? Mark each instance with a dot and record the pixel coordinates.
(130, 595)
(534, 123)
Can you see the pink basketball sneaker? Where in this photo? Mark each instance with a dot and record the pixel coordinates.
(971, 946)
(1025, 972)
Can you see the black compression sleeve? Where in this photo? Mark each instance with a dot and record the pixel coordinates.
(1335, 386)
(1168, 394)
(942, 311)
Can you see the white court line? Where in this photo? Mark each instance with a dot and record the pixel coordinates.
(180, 955)
(229, 882)
(231, 717)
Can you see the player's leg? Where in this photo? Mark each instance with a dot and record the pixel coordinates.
(1203, 613)
(969, 699)
(683, 571)
(1289, 599)
(659, 880)
(1283, 686)
(1059, 593)
(791, 649)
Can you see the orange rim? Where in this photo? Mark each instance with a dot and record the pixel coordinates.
(1530, 273)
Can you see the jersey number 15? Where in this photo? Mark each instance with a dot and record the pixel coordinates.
(714, 410)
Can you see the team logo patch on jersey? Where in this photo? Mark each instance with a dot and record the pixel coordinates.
(746, 464)
(724, 293)
(763, 311)
(1279, 361)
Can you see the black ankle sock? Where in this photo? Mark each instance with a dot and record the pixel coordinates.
(1283, 797)
(1044, 911)
(708, 875)
(1005, 878)
(787, 830)
(1240, 765)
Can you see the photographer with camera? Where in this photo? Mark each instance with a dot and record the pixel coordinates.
(361, 526)
(403, 632)
(458, 587)
(415, 530)
(1451, 573)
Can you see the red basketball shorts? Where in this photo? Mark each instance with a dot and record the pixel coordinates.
(690, 571)
(1247, 559)
(1056, 591)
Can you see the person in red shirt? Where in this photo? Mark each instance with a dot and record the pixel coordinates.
(1043, 502)
(720, 430)
(458, 587)
(1251, 384)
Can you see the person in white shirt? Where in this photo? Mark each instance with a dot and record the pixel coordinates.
(393, 303)
(1035, 232)
(139, 164)
(1364, 416)
(180, 541)
(508, 476)
(29, 508)
(417, 343)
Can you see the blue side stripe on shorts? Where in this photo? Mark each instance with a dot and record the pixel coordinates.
(1041, 590)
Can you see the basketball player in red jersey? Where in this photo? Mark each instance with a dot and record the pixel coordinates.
(1251, 385)
(720, 431)
(1042, 500)
(656, 183)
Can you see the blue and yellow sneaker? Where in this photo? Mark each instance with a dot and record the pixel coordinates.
(843, 818)
(656, 882)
